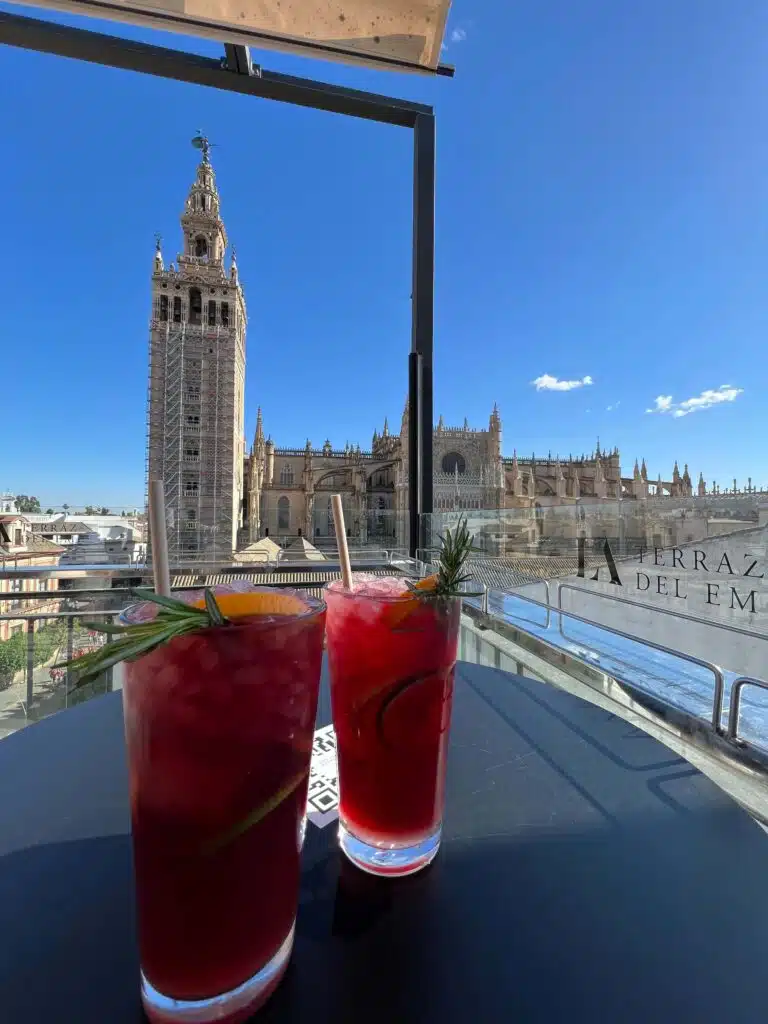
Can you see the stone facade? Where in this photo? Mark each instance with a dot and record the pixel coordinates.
(195, 442)
(288, 491)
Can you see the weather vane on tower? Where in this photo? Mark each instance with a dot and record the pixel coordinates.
(202, 142)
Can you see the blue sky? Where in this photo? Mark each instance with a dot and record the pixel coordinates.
(601, 217)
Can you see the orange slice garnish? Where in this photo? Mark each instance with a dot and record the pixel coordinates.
(236, 606)
(408, 603)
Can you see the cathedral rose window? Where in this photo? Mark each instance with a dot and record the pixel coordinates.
(453, 462)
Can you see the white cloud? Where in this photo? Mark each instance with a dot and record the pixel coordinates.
(548, 383)
(663, 404)
(708, 398)
(458, 35)
(610, 408)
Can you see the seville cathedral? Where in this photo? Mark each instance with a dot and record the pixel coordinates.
(220, 495)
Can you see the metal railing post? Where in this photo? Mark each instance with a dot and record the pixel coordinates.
(70, 652)
(717, 672)
(735, 702)
(30, 662)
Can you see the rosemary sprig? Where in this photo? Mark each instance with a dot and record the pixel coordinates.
(247, 823)
(455, 548)
(174, 618)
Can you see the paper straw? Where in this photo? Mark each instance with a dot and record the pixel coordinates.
(341, 541)
(159, 538)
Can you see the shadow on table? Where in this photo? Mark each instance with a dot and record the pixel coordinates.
(67, 948)
(663, 921)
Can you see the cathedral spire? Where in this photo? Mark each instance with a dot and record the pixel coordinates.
(159, 265)
(644, 471)
(258, 437)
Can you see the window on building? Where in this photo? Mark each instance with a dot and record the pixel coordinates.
(193, 392)
(164, 307)
(211, 312)
(453, 461)
(193, 421)
(195, 306)
(191, 454)
(203, 202)
(201, 246)
(191, 488)
(225, 314)
(191, 515)
(19, 538)
(286, 475)
(177, 309)
(283, 513)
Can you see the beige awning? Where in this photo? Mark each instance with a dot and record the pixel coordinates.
(404, 34)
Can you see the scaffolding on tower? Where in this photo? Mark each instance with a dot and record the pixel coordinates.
(192, 434)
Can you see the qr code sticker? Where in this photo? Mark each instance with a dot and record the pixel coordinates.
(323, 791)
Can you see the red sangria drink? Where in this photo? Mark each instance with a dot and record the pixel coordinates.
(219, 724)
(391, 652)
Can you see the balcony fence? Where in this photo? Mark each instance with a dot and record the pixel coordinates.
(648, 599)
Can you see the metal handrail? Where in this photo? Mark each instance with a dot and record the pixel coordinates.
(653, 608)
(70, 617)
(735, 702)
(717, 701)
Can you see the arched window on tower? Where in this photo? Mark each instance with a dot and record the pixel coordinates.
(176, 309)
(225, 314)
(286, 475)
(203, 202)
(212, 312)
(201, 246)
(283, 513)
(164, 308)
(195, 306)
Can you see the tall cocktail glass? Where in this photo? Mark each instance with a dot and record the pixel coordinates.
(219, 726)
(391, 655)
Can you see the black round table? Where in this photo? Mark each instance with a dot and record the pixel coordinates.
(587, 874)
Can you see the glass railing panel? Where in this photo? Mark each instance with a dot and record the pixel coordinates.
(666, 570)
(668, 675)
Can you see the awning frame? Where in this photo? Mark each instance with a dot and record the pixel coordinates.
(236, 73)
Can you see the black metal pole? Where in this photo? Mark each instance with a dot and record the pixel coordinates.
(415, 497)
(422, 331)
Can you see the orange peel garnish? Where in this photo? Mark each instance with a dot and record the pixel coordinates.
(239, 605)
(408, 604)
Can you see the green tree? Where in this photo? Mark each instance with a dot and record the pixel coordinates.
(13, 654)
(49, 511)
(91, 510)
(27, 503)
(104, 510)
